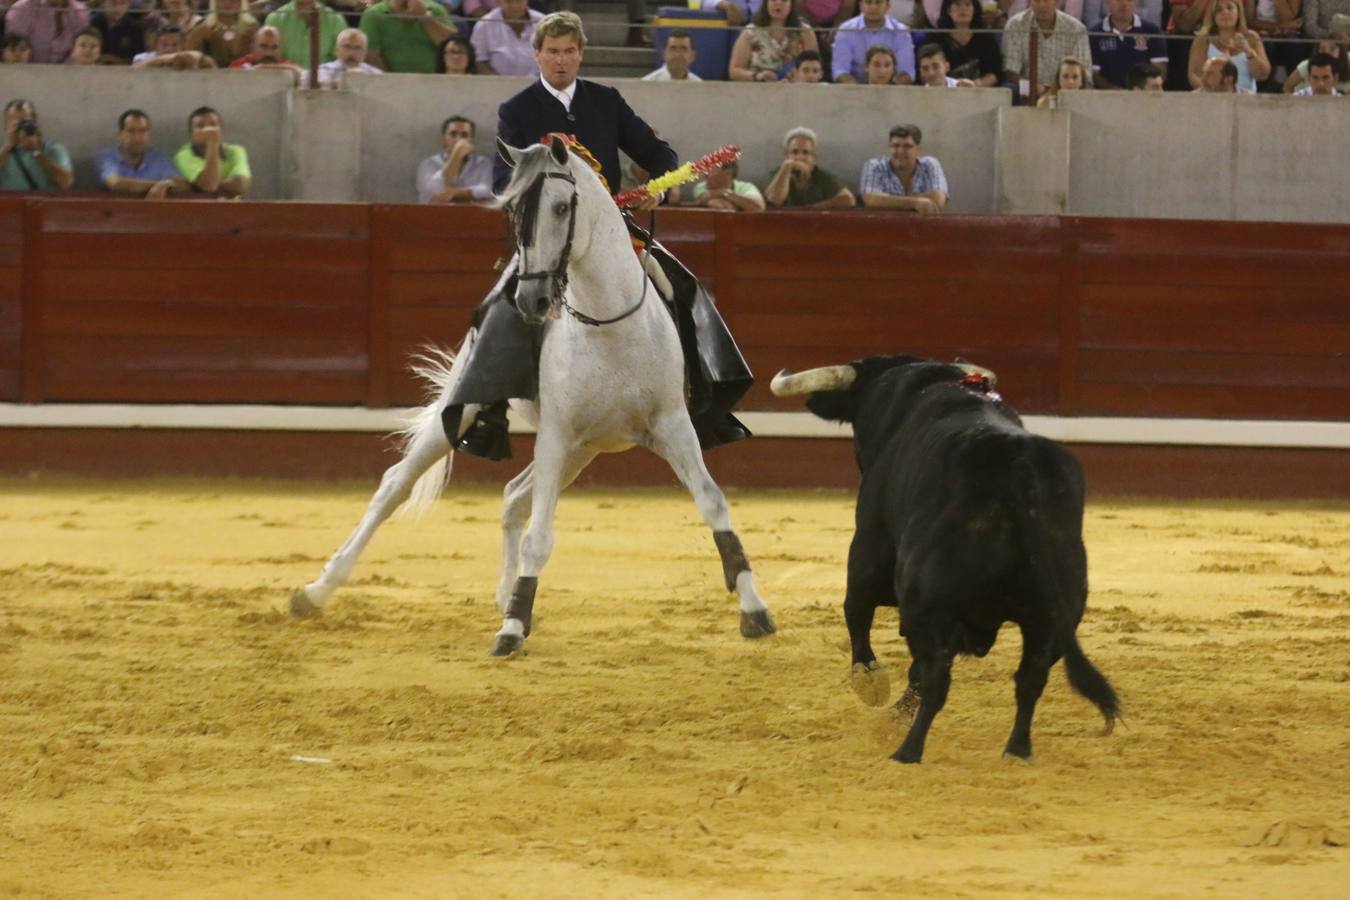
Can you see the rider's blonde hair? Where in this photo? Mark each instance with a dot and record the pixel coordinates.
(559, 24)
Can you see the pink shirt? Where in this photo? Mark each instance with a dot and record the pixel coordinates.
(50, 29)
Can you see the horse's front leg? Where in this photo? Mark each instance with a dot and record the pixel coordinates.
(553, 469)
(674, 439)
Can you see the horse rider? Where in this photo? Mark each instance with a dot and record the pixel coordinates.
(503, 361)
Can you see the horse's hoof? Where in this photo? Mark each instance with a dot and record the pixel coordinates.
(507, 645)
(757, 624)
(302, 607)
(907, 756)
(871, 683)
(1028, 760)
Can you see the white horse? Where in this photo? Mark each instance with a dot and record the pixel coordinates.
(611, 376)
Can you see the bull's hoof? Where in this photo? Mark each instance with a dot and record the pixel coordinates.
(757, 624)
(507, 645)
(302, 607)
(908, 704)
(907, 756)
(871, 683)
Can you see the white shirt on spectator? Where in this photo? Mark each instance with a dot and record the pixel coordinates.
(663, 74)
(330, 72)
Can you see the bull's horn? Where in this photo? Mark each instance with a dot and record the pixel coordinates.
(826, 378)
(972, 369)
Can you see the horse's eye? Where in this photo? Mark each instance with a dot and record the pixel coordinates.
(560, 209)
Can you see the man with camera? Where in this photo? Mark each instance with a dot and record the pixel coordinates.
(28, 162)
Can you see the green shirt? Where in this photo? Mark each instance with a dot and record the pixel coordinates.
(820, 187)
(20, 161)
(235, 162)
(295, 33)
(403, 44)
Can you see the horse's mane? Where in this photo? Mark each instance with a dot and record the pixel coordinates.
(533, 161)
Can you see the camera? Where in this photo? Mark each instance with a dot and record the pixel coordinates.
(27, 127)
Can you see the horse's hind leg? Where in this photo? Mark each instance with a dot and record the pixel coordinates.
(533, 493)
(395, 486)
(674, 439)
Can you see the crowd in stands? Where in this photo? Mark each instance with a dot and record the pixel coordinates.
(1136, 45)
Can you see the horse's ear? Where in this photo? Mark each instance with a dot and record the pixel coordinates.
(559, 149)
(509, 153)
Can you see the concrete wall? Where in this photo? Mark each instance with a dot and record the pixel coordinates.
(1104, 153)
(1194, 156)
(78, 106)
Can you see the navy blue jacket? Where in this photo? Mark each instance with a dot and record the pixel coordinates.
(600, 119)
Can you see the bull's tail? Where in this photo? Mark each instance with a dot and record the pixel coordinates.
(440, 369)
(1031, 511)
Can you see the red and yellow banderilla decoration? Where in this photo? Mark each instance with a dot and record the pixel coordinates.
(690, 171)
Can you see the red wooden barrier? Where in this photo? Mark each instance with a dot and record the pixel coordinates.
(104, 300)
(11, 314)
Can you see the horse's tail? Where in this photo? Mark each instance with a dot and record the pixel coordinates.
(440, 369)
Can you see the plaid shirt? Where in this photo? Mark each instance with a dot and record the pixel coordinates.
(879, 178)
(1068, 39)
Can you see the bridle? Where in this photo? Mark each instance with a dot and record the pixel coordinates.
(525, 215)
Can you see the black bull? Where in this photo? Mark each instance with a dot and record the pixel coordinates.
(964, 521)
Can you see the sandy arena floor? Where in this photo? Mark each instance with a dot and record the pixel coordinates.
(156, 709)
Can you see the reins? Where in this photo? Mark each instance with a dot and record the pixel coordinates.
(558, 274)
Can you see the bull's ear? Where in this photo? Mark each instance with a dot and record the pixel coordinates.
(834, 406)
(559, 149)
(509, 153)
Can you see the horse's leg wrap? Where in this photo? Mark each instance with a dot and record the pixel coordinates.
(522, 601)
(733, 556)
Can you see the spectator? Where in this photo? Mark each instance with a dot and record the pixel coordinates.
(456, 56)
(176, 13)
(808, 68)
(934, 69)
(1061, 35)
(135, 166)
(17, 49)
(404, 34)
(351, 57)
(764, 51)
(800, 182)
(1319, 18)
(721, 189)
(1339, 52)
(1186, 16)
(1282, 19)
(88, 49)
(905, 180)
(1070, 76)
(862, 32)
(169, 53)
(1115, 54)
(880, 65)
(123, 33)
(207, 163)
(1146, 76)
(504, 40)
(290, 21)
(268, 53)
(1148, 10)
(970, 55)
(29, 162)
(1322, 77)
(476, 9)
(225, 34)
(49, 25)
(1225, 33)
(678, 55)
(1218, 76)
(457, 174)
